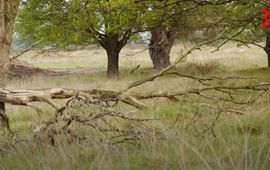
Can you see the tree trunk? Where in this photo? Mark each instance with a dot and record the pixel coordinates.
(267, 48)
(8, 12)
(113, 64)
(160, 46)
(113, 47)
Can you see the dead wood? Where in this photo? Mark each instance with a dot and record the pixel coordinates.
(169, 68)
(28, 97)
(105, 99)
(24, 51)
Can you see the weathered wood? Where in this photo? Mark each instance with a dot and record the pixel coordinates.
(8, 12)
(26, 97)
(160, 46)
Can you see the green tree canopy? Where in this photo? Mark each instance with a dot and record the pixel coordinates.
(108, 22)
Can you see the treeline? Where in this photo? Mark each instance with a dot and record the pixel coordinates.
(113, 23)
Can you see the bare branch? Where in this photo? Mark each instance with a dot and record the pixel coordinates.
(25, 51)
(161, 73)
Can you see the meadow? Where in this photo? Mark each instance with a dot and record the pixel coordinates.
(189, 136)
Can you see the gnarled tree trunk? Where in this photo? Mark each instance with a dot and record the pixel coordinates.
(160, 46)
(8, 12)
(267, 48)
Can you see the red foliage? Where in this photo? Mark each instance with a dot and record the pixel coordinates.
(265, 16)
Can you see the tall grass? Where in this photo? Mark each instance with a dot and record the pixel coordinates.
(234, 142)
(240, 142)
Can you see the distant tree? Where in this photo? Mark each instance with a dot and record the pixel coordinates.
(242, 23)
(164, 34)
(8, 12)
(111, 23)
(192, 20)
(180, 18)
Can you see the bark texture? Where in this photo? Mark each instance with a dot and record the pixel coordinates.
(113, 47)
(267, 48)
(8, 12)
(160, 46)
(113, 62)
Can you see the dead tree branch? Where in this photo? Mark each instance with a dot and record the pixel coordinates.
(163, 72)
(96, 96)
(25, 50)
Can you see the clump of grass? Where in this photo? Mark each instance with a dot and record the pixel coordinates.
(179, 150)
(184, 145)
(238, 142)
(203, 68)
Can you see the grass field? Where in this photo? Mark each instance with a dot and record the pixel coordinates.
(234, 142)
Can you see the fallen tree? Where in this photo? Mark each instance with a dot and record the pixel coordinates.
(28, 97)
(101, 120)
(208, 88)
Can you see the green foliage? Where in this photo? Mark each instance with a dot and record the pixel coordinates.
(242, 21)
(239, 20)
(245, 20)
(66, 22)
(78, 21)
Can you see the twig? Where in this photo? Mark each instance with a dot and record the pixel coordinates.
(161, 73)
(25, 51)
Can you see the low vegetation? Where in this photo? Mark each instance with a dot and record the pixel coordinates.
(177, 93)
(177, 135)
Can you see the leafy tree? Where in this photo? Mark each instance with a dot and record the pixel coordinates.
(181, 18)
(111, 23)
(165, 33)
(194, 21)
(242, 23)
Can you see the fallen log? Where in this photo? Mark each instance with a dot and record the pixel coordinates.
(103, 97)
(207, 90)
(97, 96)
(26, 97)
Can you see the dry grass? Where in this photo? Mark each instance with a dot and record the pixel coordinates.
(232, 56)
(241, 142)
